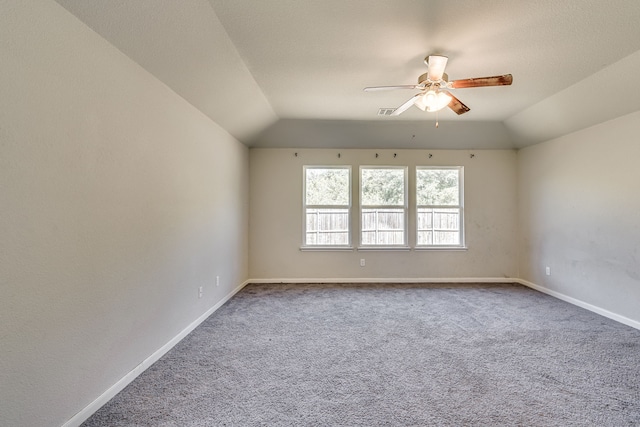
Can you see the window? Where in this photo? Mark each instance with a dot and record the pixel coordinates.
(327, 205)
(383, 206)
(439, 200)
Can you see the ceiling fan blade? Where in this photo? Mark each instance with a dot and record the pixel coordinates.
(436, 63)
(404, 107)
(456, 105)
(504, 80)
(381, 88)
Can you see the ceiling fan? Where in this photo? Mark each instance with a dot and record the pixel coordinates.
(434, 88)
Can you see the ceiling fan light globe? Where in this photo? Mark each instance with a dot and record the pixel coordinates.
(420, 103)
(442, 100)
(430, 98)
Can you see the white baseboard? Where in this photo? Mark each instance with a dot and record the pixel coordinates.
(90, 409)
(389, 280)
(601, 311)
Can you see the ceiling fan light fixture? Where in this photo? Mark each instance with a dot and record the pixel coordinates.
(433, 101)
(430, 98)
(422, 102)
(442, 100)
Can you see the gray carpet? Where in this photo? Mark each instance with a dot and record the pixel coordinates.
(391, 355)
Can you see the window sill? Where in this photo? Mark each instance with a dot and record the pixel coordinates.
(440, 248)
(383, 248)
(326, 248)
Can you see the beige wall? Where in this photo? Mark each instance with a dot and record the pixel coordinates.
(118, 200)
(276, 217)
(579, 205)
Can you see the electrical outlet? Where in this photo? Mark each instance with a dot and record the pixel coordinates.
(200, 291)
(217, 280)
(548, 271)
(362, 262)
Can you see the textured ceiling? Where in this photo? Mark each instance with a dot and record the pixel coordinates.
(291, 72)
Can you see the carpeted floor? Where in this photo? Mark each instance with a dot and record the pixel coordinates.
(391, 355)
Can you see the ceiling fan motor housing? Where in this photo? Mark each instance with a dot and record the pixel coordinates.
(424, 78)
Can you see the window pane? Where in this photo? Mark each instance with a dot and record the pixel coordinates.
(382, 187)
(382, 226)
(327, 186)
(438, 226)
(437, 187)
(327, 227)
(425, 237)
(446, 238)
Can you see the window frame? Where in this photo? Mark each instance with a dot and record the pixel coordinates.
(459, 206)
(404, 207)
(348, 207)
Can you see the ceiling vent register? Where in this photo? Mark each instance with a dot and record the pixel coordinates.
(386, 111)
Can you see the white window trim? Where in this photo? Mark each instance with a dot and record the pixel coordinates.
(405, 207)
(320, 248)
(460, 247)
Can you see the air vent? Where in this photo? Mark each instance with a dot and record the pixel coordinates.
(386, 111)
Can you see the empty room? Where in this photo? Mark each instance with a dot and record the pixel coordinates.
(322, 213)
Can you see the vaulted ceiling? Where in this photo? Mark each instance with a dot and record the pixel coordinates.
(290, 73)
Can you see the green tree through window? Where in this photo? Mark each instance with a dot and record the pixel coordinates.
(327, 186)
(383, 186)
